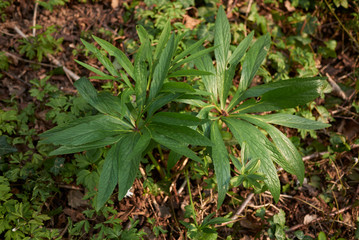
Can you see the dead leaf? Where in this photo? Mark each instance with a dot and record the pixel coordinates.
(74, 215)
(164, 212)
(289, 6)
(309, 218)
(75, 199)
(115, 4)
(190, 22)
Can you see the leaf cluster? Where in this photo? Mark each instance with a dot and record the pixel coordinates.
(134, 121)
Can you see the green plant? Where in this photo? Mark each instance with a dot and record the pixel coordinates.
(131, 126)
(40, 45)
(4, 61)
(134, 123)
(234, 111)
(3, 5)
(20, 219)
(50, 4)
(205, 229)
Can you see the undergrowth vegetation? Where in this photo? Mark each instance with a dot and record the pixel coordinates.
(192, 120)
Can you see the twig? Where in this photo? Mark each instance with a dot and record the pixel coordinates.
(336, 88)
(64, 231)
(235, 217)
(73, 75)
(17, 78)
(20, 32)
(319, 219)
(242, 207)
(29, 61)
(34, 19)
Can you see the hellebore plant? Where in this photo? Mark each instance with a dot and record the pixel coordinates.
(135, 121)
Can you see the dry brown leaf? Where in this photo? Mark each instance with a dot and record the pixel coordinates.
(289, 6)
(309, 218)
(191, 22)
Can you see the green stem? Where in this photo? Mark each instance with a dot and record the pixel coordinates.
(160, 151)
(190, 197)
(154, 161)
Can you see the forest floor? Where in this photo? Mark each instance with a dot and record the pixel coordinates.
(326, 202)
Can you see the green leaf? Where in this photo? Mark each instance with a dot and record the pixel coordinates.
(85, 130)
(109, 176)
(161, 70)
(140, 76)
(160, 101)
(259, 148)
(192, 57)
(117, 53)
(221, 162)
(174, 118)
(189, 72)
(92, 69)
(5, 148)
(130, 155)
(292, 121)
(85, 147)
(233, 61)
(313, 83)
(205, 64)
(103, 59)
(239, 52)
(173, 158)
(174, 145)
(177, 87)
(103, 102)
(288, 94)
(222, 38)
(292, 161)
(253, 61)
(182, 134)
(189, 50)
(163, 40)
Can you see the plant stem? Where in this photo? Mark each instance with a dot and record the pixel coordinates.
(154, 161)
(190, 196)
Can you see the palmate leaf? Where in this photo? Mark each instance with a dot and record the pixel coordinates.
(179, 119)
(251, 64)
(88, 146)
(161, 69)
(117, 53)
(220, 161)
(254, 58)
(259, 148)
(292, 161)
(140, 76)
(175, 145)
(102, 58)
(109, 175)
(205, 64)
(292, 121)
(130, 155)
(121, 165)
(182, 134)
(283, 94)
(222, 38)
(85, 130)
(189, 72)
